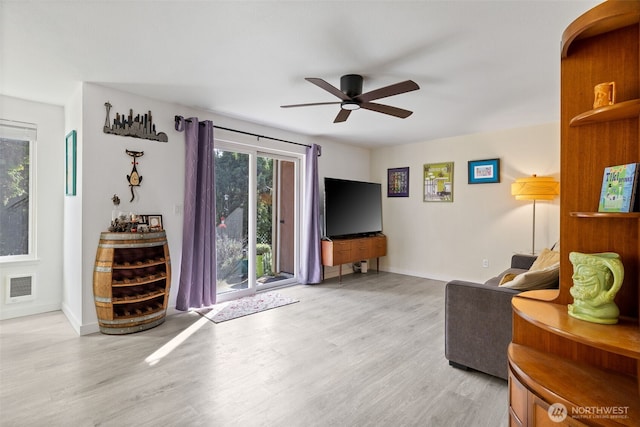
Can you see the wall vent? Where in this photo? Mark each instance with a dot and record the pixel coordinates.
(20, 288)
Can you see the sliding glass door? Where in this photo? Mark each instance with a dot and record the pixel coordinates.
(232, 220)
(256, 220)
(276, 220)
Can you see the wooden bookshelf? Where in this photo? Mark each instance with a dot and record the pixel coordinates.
(553, 357)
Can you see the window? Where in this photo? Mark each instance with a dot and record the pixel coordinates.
(16, 190)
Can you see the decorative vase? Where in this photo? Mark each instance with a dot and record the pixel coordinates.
(597, 278)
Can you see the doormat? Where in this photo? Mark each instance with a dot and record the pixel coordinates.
(245, 306)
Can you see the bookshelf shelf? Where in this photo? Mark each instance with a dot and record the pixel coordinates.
(630, 215)
(530, 367)
(620, 111)
(623, 339)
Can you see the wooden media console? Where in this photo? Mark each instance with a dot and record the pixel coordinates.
(346, 250)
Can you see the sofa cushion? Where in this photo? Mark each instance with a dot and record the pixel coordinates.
(507, 278)
(495, 281)
(546, 258)
(535, 279)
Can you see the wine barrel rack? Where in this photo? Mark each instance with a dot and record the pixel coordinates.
(131, 281)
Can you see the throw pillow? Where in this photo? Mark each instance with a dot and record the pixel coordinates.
(507, 278)
(546, 258)
(535, 279)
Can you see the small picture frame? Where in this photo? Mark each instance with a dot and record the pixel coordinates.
(154, 222)
(398, 182)
(70, 163)
(484, 171)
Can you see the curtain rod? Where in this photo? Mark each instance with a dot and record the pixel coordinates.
(177, 118)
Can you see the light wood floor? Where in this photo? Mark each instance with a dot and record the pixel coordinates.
(367, 352)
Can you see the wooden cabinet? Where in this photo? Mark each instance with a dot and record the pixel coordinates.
(131, 281)
(343, 251)
(590, 369)
(530, 410)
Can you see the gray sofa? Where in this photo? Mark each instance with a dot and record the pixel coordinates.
(478, 321)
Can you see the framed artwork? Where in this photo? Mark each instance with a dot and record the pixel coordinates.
(438, 182)
(154, 222)
(398, 182)
(70, 164)
(484, 171)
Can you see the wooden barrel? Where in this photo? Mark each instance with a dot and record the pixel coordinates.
(131, 281)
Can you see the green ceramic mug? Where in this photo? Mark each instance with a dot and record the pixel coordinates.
(597, 278)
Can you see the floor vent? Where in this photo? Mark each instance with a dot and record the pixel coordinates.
(20, 288)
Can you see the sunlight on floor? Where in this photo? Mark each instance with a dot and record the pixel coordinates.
(166, 349)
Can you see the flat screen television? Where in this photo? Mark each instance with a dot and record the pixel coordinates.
(352, 207)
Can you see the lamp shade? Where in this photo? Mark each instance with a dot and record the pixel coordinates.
(535, 188)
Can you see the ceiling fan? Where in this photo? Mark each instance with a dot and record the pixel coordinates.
(352, 98)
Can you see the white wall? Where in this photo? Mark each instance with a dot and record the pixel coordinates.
(439, 240)
(105, 166)
(450, 240)
(50, 157)
(72, 220)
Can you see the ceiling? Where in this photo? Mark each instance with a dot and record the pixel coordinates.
(480, 65)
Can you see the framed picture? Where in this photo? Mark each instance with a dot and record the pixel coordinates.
(484, 171)
(70, 164)
(398, 182)
(154, 222)
(438, 182)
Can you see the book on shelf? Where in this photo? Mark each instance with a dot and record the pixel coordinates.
(619, 185)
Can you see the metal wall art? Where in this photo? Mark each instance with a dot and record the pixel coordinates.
(137, 127)
(134, 178)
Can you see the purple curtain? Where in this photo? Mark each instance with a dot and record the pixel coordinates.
(197, 286)
(310, 265)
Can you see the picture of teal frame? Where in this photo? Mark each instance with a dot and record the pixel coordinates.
(70, 164)
(484, 171)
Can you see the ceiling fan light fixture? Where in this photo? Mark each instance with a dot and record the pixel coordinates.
(352, 98)
(350, 105)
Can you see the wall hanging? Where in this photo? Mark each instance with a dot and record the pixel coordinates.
(134, 178)
(438, 182)
(398, 182)
(137, 127)
(70, 164)
(484, 171)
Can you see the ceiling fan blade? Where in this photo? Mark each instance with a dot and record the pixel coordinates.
(383, 92)
(342, 116)
(386, 109)
(328, 87)
(311, 104)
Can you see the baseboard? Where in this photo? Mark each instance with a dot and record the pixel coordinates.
(77, 326)
(26, 310)
(418, 274)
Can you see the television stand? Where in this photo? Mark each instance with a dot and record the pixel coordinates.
(345, 250)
